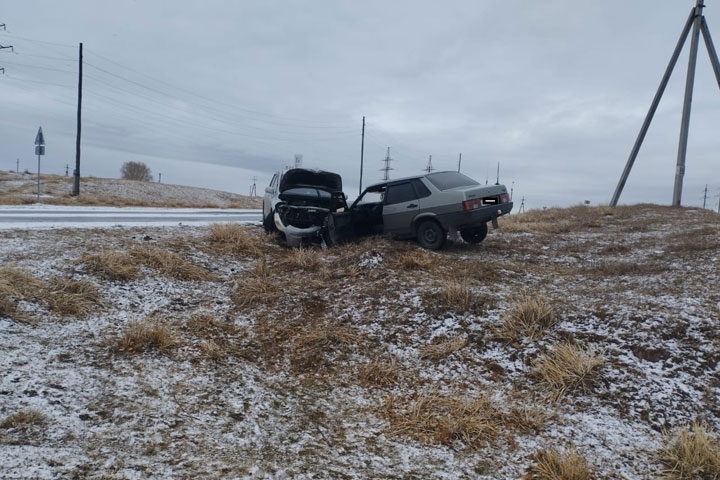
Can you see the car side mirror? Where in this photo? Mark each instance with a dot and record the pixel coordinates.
(269, 190)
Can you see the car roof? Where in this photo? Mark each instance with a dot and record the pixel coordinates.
(403, 179)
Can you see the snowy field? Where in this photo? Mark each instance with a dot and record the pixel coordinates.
(199, 352)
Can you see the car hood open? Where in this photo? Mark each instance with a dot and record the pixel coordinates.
(302, 177)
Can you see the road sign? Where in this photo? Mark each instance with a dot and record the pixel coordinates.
(40, 138)
(39, 149)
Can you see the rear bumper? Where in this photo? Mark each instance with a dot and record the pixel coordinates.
(473, 218)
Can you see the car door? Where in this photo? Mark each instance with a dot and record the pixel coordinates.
(400, 208)
(268, 197)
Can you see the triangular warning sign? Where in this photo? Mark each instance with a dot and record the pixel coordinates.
(40, 138)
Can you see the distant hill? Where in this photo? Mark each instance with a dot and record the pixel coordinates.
(19, 188)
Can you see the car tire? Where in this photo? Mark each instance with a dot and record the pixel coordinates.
(475, 235)
(269, 223)
(430, 235)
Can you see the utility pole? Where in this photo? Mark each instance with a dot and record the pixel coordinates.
(17, 166)
(429, 167)
(76, 173)
(512, 187)
(362, 154)
(298, 160)
(253, 189)
(39, 151)
(705, 196)
(67, 169)
(159, 177)
(497, 181)
(2, 47)
(459, 161)
(696, 21)
(386, 169)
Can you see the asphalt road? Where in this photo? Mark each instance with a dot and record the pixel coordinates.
(51, 216)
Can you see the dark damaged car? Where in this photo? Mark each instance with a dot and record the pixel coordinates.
(298, 201)
(425, 207)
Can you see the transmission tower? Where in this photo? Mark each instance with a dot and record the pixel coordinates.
(696, 21)
(253, 189)
(522, 205)
(298, 160)
(429, 167)
(386, 169)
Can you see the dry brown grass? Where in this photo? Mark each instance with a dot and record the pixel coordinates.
(443, 419)
(691, 453)
(380, 372)
(442, 348)
(71, 297)
(140, 337)
(111, 265)
(456, 295)
(15, 286)
(255, 287)
(555, 465)
(568, 367)
(231, 238)
(530, 316)
(24, 420)
(218, 339)
(307, 259)
(415, 260)
(169, 264)
(312, 346)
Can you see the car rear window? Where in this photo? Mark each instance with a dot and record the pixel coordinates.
(448, 180)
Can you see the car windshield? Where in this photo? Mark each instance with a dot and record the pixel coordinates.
(448, 180)
(307, 192)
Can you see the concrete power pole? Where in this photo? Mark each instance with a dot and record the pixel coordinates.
(76, 173)
(362, 154)
(705, 196)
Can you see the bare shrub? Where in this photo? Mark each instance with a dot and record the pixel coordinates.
(529, 316)
(24, 420)
(381, 372)
(444, 419)
(555, 465)
(136, 171)
(691, 453)
(443, 348)
(111, 265)
(139, 337)
(169, 264)
(308, 259)
(71, 297)
(567, 367)
(234, 239)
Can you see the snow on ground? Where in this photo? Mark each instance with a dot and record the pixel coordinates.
(637, 285)
(110, 191)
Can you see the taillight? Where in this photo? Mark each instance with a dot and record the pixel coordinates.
(504, 198)
(472, 204)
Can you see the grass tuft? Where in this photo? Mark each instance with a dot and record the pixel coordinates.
(24, 420)
(231, 238)
(554, 465)
(441, 419)
(66, 296)
(568, 367)
(111, 265)
(140, 337)
(415, 260)
(529, 316)
(691, 453)
(169, 264)
(254, 287)
(441, 349)
(312, 345)
(380, 372)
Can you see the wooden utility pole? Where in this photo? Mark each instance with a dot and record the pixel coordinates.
(362, 154)
(696, 21)
(76, 173)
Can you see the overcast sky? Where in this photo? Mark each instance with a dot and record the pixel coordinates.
(213, 93)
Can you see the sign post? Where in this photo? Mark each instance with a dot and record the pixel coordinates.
(39, 150)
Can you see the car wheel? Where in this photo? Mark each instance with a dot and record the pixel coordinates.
(431, 235)
(475, 235)
(269, 223)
